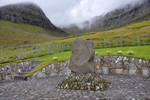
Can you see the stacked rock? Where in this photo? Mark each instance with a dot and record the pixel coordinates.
(91, 82)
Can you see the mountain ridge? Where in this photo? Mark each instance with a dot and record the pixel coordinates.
(114, 19)
(29, 13)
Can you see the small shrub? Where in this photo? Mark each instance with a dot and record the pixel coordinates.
(96, 53)
(119, 52)
(130, 52)
(108, 52)
(55, 58)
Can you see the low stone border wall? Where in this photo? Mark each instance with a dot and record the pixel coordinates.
(122, 65)
(104, 65)
(9, 72)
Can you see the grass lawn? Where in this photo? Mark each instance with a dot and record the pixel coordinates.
(139, 52)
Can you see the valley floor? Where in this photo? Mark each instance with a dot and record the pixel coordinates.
(121, 88)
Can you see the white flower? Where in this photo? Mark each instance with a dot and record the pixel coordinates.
(96, 53)
(119, 52)
(97, 87)
(130, 52)
(19, 70)
(88, 84)
(108, 52)
(55, 58)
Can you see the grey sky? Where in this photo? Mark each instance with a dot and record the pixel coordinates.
(64, 12)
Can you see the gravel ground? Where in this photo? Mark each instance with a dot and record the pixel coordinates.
(121, 88)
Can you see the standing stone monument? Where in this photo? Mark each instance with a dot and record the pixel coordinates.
(82, 58)
(82, 63)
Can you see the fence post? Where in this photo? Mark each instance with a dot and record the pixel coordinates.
(7, 55)
(100, 44)
(15, 54)
(20, 51)
(1, 54)
(32, 52)
(39, 50)
(143, 42)
(64, 46)
(36, 54)
(109, 43)
(105, 42)
(48, 49)
(138, 40)
(57, 47)
(51, 48)
(126, 42)
(116, 44)
(121, 41)
(45, 50)
(26, 52)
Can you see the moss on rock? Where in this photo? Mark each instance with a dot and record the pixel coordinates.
(91, 82)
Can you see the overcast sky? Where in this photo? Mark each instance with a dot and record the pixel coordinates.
(64, 12)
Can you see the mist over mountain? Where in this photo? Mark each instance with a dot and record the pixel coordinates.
(29, 13)
(126, 15)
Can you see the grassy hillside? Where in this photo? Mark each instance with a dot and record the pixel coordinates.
(10, 36)
(15, 34)
(25, 27)
(141, 28)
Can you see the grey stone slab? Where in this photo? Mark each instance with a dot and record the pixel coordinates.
(82, 58)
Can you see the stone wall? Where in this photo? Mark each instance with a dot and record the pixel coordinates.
(57, 69)
(104, 65)
(9, 72)
(122, 65)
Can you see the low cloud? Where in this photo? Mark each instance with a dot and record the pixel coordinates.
(65, 12)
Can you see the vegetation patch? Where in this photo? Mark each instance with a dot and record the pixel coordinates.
(141, 28)
(16, 34)
(92, 82)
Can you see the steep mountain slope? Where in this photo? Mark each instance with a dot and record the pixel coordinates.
(16, 34)
(114, 19)
(29, 13)
(122, 17)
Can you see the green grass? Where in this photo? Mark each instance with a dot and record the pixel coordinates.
(141, 28)
(47, 60)
(139, 52)
(15, 34)
(24, 27)
(17, 37)
(10, 36)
